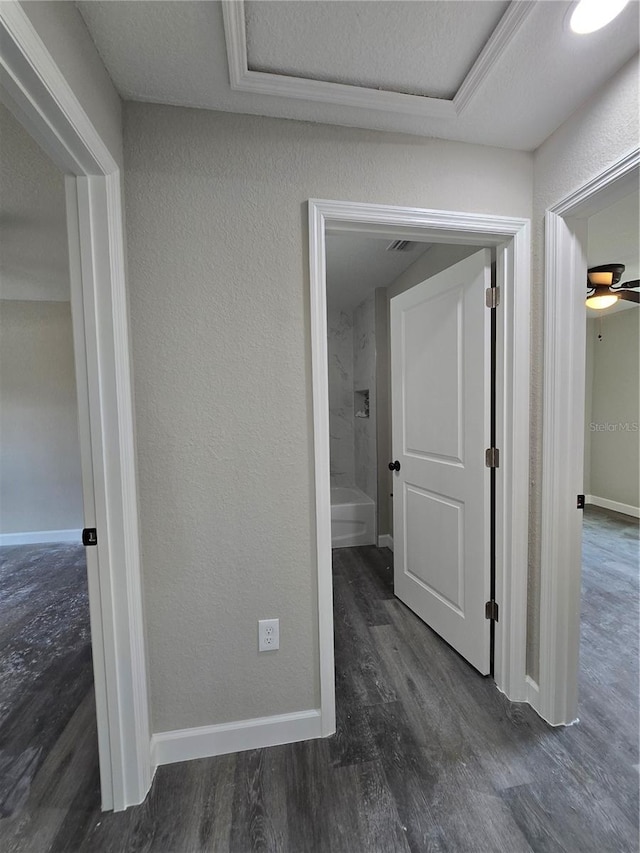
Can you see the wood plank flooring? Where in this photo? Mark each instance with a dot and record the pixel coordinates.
(45, 658)
(428, 755)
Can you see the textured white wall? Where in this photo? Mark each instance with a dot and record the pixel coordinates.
(615, 404)
(341, 427)
(596, 136)
(62, 29)
(40, 480)
(40, 477)
(34, 258)
(216, 221)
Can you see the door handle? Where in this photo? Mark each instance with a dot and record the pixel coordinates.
(394, 466)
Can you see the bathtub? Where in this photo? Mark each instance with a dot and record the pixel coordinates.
(353, 518)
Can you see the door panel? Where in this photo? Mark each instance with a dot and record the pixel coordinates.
(440, 320)
(434, 518)
(441, 363)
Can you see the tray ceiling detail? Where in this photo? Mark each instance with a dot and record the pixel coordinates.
(276, 48)
(358, 44)
(521, 80)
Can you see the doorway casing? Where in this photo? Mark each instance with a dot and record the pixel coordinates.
(34, 90)
(563, 433)
(511, 239)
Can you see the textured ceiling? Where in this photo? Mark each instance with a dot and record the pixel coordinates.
(614, 237)
(357, 264)
(33, 233)
(175, 52)
(359, 43)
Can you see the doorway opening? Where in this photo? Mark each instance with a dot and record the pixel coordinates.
(461, 232)
(609, 688)
(38, 95)
(46, 676)
(409, 332)
(566, 408)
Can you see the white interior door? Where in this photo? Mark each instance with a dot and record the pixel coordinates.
(441, 410)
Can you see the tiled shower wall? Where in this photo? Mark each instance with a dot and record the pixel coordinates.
(352, 368)
(364, 378)
(341, 429)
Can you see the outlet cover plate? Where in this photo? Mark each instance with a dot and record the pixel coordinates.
(268, 635)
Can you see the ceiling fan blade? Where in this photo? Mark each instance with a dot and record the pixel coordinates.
(628, 295)
(626, 285)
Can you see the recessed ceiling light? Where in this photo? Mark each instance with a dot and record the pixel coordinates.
(591, 15)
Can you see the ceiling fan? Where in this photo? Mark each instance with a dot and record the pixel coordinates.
(603, 289)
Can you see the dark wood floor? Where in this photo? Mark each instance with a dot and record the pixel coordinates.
(428, 755)
(45, 658)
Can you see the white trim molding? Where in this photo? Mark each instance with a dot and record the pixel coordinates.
(36, 91)
(243, 79)
(511, 239)
(385, 540)
(509, 25)
(532, 691)
(563, 434)
(603, 189)
(206, 741)
(36, 537)
(616, 506)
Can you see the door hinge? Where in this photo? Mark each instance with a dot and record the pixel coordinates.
(492, 457)
(580, 501)
(491, 610)
(89, 536)
(492, 296)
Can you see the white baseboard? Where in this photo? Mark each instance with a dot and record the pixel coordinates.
(533, 691)
(206, 741)
(616, 506)
(36, 537)
(385, 541)
(533, 698)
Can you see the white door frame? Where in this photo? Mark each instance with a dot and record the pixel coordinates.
(33, 88)
(512, 241)
(563, 434)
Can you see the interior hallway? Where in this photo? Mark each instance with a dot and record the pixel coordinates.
(428, 755)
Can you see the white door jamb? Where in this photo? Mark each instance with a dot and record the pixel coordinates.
(34, 89)
(563, 434)
(512, 242)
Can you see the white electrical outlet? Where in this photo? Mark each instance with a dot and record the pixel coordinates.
(268, 635)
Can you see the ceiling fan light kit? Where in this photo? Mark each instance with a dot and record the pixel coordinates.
(588, 16)
(605, 275)
(600, 301)
(603, 289)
